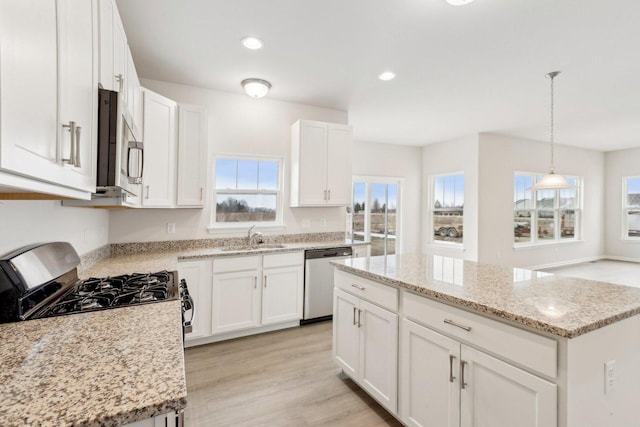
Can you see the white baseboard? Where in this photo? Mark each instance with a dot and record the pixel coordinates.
(622, 258)
(567, 262)
(192, 342)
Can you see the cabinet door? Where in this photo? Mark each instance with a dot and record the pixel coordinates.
(379, 354)
(198, 277)
(282, 290)
(158, 178)
(313, 164)
(346, 334)
(78, 94)
(429, 383)
(339, 165)
(119, 52)
(235, 301)
(192, 155)
(497, 394)
(28, 89)
(105, 44)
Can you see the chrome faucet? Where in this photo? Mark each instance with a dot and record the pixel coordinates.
(252, 236)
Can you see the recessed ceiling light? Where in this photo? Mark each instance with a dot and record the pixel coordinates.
(252, 43)
(459, 2)
(387, 75)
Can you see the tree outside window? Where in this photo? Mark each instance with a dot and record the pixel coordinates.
(448, 208)
(632, 207)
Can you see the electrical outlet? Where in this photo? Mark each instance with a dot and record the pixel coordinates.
(171, 227)
(323, 222)
(306, 223)
(609, 376)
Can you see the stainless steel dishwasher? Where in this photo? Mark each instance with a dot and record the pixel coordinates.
(318, 282)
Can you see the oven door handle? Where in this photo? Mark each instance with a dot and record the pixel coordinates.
(188, 304)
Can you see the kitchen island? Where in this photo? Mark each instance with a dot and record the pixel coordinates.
(102, 368)
(450, 342)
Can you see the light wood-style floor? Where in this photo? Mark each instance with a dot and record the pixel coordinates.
(284, 378)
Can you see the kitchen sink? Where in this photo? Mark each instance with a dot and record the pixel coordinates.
(252, 248)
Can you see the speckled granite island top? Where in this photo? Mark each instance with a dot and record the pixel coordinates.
(564, 306)
(104, 368)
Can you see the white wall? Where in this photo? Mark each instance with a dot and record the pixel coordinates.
(23, 222)
(619, 164)
(458, 155)
(397, 161)
(237, 125)
(500, 157)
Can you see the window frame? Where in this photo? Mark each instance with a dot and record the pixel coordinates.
(368, 180)
(277, 224)
(432, 210)
(626, 208)
(556, 210)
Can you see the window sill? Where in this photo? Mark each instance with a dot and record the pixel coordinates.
(546, 244)
(235, 228)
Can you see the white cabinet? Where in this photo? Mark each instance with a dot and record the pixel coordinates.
(113, 47)
(198, 277)
(133, 98)
(282, 288)
(320, 164)
(365, 343)
(158, 177)
(236, 294)
(192, 155)
(46, 54)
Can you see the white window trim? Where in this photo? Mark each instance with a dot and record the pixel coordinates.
(625, 210)
(453, 246)
(399, 181)
(223, 228)
(557, 240)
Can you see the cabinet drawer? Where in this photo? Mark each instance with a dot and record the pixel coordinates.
(525, 348)
(224, 265)
(377, 293)
(283, 260)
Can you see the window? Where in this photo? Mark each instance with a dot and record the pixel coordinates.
(373, 215)
(447, 208)
(247, 190)
(632, 207)
(544, 215)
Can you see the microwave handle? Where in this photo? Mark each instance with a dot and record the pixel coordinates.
(140, 162)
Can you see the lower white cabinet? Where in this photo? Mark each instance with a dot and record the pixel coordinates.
(198, 277)
(365, 346)
(446, 383)
(236, 296)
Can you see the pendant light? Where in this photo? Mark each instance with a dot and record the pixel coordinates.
(552, 180)
(256, 88)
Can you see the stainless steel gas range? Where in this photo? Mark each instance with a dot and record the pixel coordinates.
(42, 281)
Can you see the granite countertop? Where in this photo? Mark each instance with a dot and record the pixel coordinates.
(145, 262)
(563, 306)
(103, 368)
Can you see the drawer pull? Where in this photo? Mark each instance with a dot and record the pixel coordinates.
(452, 323)
(462, 383)
(362, 288)
(451, 359)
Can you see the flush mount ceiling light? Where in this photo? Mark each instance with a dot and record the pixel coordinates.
(387, 75)
(552, 181)
(252, 43)
(256, 88)
(459, 2)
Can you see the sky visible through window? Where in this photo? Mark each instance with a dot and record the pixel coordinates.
(448, 191)
(247, 175)
(377, 192)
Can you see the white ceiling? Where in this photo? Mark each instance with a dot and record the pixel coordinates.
(460, 70)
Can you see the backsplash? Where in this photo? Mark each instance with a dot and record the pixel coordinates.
(172, 245)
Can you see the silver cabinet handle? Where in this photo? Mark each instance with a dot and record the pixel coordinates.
(463, 384)
(77, 162)
(325, 195)
(362, 288)
(147, 188)
(329, 192)
(451, 359)
(354, 316)
(255, 282)
(201, 192)
(452, 323)
(120, 81)
(265, 280)
(71, 127)
(359, 313)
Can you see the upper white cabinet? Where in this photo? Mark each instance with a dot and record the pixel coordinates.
(320, 164)
(113, 47)
(48, 95)
(158, 177)
(192, 155)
